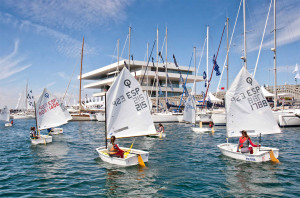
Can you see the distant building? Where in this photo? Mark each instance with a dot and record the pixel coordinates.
(104, 77)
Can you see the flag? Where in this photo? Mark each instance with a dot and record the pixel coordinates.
(297, 75)
(216, 67)
(222, 88)
(204, 75)
(296, 69)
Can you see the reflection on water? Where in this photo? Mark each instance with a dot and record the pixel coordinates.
(246, 178)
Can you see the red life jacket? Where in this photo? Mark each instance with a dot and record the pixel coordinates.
(244, 140)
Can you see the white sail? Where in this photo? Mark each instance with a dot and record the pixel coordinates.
(127, 111)
(49, 112)
(247, 108)
(4, 114)
(189, 110)
(149, 102)
(26, 100)
(66, 112)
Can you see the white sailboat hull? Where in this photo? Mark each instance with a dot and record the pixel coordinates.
(44, 139)
(204, 117)
(130, 160)
(219, 119)
(100, 116)
(8, 124)
(201, 130)
(164, 117)
(56, 131)
(259, 155)
(288, 120)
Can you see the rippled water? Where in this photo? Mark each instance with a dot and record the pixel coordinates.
(184, 164)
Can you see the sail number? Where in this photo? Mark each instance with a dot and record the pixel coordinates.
(255, 99)
(48, 106)
(138, 99)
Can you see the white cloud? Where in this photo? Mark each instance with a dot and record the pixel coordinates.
(287, 23)
(71, 14)
(10, 64)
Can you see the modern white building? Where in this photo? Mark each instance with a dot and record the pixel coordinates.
(103, 77)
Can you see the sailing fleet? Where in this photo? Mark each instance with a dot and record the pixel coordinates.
(128, 113)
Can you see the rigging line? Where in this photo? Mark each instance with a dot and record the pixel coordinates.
(237, 16)
(200, 59)
(124, 46)
(162, 49)
(69, 82)
(213, 66)
(262, 39)
(184, 85)
(148, 62)
(114, 53)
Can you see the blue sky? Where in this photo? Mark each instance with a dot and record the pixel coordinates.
(41, 40)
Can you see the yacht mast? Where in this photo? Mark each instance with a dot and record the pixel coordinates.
(195, 72)
(227, 61)
(245, 46)
(157, 70)
(129, 48)
(207, 37)
(80, 77)
(118, 54)
(166, 68)
(274, 50)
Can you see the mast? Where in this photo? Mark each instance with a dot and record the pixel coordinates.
(80, 76)
(166, 68)
(227, 61)
(118, 54)
(207, 36)
(105, 121)
(157, 70)
(274, 50)
(245, 46)
(26, 94)
(129, 48)
(37, 128)
(147, 61)
(195, 71)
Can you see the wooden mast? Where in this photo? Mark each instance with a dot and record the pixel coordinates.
(80, 77)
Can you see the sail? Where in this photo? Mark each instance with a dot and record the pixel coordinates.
(26, 100)
(127, 111)
(4, 114)
(66, 112)
(189, 110)
(49, 112)
(247, 108)
(149, 102)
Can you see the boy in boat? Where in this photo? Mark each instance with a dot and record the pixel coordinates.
(161, 128)
(244, 143)
(113, 149)
(33, 133)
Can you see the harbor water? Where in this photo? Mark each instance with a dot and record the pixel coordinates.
(184, 164)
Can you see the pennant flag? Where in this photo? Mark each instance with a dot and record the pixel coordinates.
(296, 69)
(204, 75)
(222, 88)
(216, 68)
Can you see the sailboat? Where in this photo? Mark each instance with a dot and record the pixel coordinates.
(127, 115)
(4, 115)
(247, 109)
(80, 116)
(49, 114)
(67, 117)
(25, 107)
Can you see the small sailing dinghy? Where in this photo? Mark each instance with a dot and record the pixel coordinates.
(4, 115)
(127, 115)
(247, 109)
(49, 114)
(68, 117)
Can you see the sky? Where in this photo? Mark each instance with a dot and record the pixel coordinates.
(41, 40)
